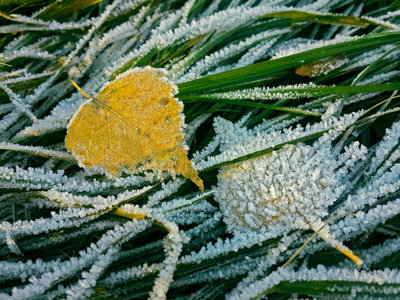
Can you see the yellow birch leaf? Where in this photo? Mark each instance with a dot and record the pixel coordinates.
(133, 123)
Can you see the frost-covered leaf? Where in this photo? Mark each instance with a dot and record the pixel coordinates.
(133, 123)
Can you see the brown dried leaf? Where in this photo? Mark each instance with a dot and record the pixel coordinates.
(133, 123)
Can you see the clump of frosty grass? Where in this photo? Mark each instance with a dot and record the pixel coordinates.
(291, 188)
(291, 113)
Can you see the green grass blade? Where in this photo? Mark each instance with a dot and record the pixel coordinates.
(4, 3)
(305, 92)
(261, 71)
(266, 150)
(59, 8)
(27, 83)
(251, 104)
(333, 288)
(370, 67)
(331, 19)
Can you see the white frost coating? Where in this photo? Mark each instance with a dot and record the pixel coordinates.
(71, 217)
(383, 113)
(185, 12)
(38, 25)
(222, 247)
(293, 187)
(386, 24)
(255, 53)
(123, 31)
(275, 255)
(84, 287)
(12, 245)
(37, 150)
(212, 145)
(61, 114)
(6, 108)
(119, 235)
(350, 226)
(26, 76)
(194, 214)
(226, 271)
(320, 274)
(215, 58)
(207, 226)
(18, 102)
(8, 120)
(172, 247)
(181, 202)
(301, 47)
(212, 8)
(42, 88)
(98, 202)
(253, 267)
(359, 97)
(223, 20)
(83, 230)
(191, 128)
(18, 44)
(242, 194)
(269, 93)
(166, 189)
(237, 142)
(130, 273)
(30, 54)
(387, 183)
(37, 178)
(14, 270)
(371, 56)
(167, 22)
(377, 253)
(384, 149)
(379, 78)
(278, 123)
(390, 14)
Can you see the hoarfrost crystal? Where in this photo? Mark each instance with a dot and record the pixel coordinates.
(292, 187)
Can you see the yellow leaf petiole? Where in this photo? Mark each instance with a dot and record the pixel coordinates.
(80, 90)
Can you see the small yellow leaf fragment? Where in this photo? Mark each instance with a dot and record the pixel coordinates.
(133, 123)
(358, 261)
(118, 211)
(319, 67)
